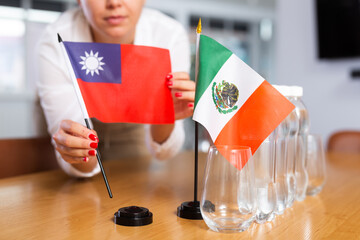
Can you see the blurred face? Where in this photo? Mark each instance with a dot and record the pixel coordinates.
(112, 21)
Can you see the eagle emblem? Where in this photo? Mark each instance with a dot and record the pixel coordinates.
(225, 96)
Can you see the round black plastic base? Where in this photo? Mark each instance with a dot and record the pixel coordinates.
(189, 210)
(133, 216)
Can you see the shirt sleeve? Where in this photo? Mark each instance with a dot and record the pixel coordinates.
(171, 146)
(180, 51)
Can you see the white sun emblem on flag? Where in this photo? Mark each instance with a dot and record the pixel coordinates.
(91, 63)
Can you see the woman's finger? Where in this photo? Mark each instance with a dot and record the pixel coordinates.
(182, 85)
(77, 129)
(71, 141)
(183, 110)
(75, 152)
(178, 76)
(185, 96)
(74, 160)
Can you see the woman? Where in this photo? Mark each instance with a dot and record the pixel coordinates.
(121, 22)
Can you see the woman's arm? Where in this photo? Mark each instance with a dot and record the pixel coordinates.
(166, 141)
(62, 111)
(183, 92)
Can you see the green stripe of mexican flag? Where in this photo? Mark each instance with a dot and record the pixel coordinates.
(233, 102)
(206, 75)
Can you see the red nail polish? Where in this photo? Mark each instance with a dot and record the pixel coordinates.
(93, 145)
(190, 105)
(169, 76)
(178, 94)
(92, 153)
(92, 137)
(169, 83)
(85, 159)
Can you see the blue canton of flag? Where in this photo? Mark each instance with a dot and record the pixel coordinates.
(99, 62)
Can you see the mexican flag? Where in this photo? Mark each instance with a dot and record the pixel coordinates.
(234, 103)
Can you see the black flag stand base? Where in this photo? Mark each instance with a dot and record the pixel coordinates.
(189, 210)
(133, 216)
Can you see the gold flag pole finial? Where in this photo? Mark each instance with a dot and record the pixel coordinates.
(198, 29)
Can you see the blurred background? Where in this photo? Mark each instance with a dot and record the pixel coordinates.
(311, 43)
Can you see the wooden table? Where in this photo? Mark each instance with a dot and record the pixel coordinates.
(50, 205)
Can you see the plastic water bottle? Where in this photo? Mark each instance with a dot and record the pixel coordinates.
(281, 185)
(286, 154)
(264, 181)
(301, 143)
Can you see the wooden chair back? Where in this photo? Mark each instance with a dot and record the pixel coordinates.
(23, 156)
(344, 141)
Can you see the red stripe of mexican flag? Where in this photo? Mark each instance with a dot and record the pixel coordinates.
(233, 102)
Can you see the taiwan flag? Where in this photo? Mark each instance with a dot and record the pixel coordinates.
(233, 102)
(123, 82)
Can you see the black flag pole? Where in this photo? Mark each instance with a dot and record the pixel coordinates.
(84, 111)
(191, 209)
(100, 164)
(196, 162)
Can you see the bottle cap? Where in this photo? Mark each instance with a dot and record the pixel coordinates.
(283, 89)
(296, 91)
(133, 216)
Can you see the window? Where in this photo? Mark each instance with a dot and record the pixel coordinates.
(20, 29)
(12, 37)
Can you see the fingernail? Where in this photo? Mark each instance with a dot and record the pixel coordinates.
(190, 105)
(169, 76)
(92, 153)
(93, 145)
(85, 159)
(169, 83)
(93, 137)
(178, 94)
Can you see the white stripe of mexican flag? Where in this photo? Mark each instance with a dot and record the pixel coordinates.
(233, 71)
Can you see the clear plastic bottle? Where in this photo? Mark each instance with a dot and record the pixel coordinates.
(280, 166)
(264, 181)
(291, 157)
(285, 157)
(301, 142)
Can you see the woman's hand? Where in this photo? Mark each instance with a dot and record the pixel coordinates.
(183, 91)
(76, 143)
